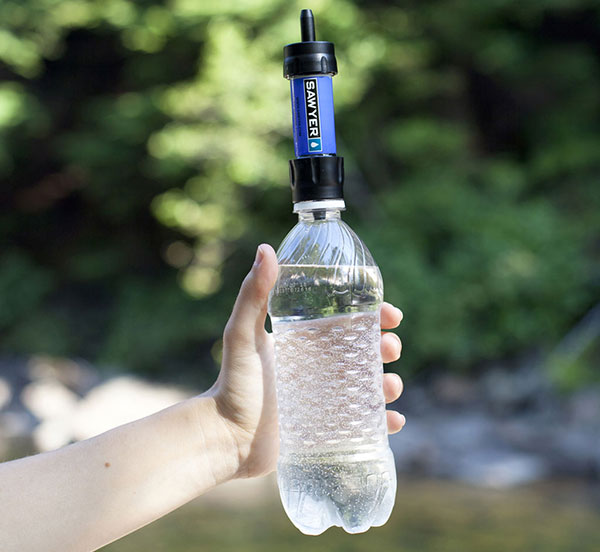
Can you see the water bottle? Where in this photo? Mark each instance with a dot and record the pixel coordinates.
(335, 465)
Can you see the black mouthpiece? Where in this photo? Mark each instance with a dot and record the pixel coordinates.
(307, 26)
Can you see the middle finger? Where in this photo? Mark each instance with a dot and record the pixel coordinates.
(391, 347)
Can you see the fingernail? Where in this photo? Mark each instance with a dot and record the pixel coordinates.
(259, 256)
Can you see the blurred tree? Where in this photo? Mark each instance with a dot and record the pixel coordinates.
(144, 145)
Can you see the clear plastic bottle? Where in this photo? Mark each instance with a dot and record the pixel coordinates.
(335, 465)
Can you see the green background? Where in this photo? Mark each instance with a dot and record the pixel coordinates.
(143, 156)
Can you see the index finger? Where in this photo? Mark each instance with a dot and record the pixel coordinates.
(390, 316)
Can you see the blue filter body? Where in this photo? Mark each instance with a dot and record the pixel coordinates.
(312, 115)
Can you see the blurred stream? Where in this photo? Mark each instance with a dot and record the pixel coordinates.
(498, 463)
(430, 516)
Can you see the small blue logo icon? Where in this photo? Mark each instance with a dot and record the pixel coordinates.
(314, 144)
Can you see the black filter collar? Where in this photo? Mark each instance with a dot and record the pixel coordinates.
(315, 178)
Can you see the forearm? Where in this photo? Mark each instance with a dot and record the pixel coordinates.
(88, 494)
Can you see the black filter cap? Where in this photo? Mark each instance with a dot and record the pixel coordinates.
(309, 57)
(314, 178)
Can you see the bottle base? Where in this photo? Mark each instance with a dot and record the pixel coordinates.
(352, 492)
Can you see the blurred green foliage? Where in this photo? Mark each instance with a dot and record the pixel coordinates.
(144, 147)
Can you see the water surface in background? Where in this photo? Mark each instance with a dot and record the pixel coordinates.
(430, 516)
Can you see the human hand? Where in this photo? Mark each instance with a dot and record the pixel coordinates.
(245, 389)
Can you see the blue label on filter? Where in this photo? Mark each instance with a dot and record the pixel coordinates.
(313, 119)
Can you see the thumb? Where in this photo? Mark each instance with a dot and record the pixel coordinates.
(250, 309)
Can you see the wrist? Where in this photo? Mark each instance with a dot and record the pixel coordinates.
(217, 451)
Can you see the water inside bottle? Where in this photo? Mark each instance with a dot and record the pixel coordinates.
(352, 491)
(316, 291)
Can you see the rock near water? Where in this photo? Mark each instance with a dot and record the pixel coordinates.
(503, 429)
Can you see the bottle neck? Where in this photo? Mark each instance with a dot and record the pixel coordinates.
(326, 209)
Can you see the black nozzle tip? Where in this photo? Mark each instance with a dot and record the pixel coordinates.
(307, 26)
